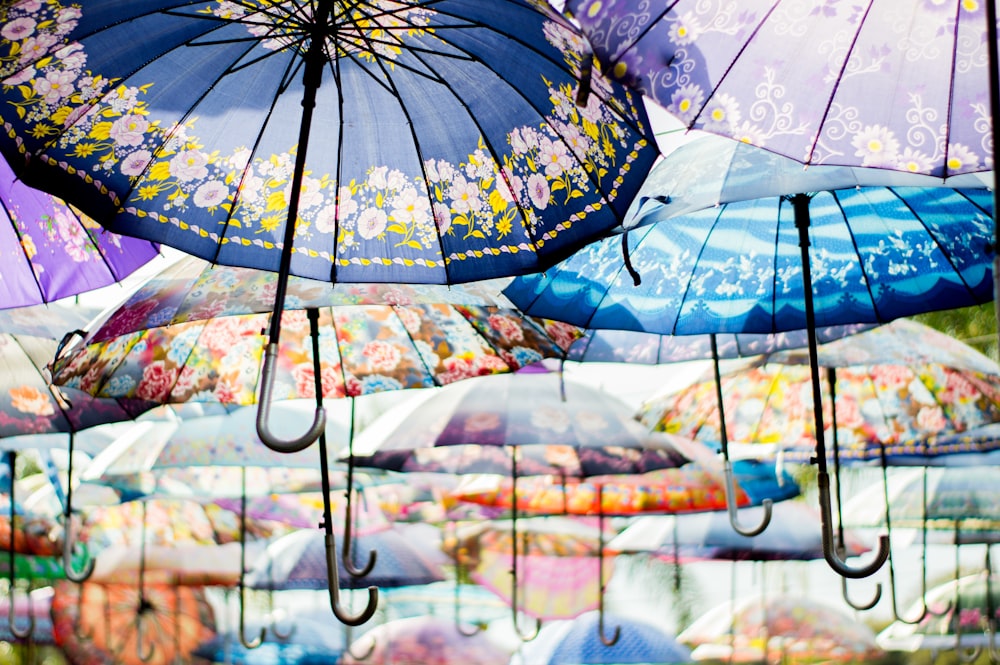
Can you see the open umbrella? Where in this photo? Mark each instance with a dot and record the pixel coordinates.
(782, 628)
(52, 251)
(427, 640)
(876, 253)
(96, 623)
(441, 184)
(572, 642)
(904, 86)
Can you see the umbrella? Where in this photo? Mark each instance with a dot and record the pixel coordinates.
(559, 562)
(947, 627)
(783, 628)
(298, 561)
(37, 603)
(527, 423)
(904, 86)
(312, 643)
(877, 253)
(51, 251)
(98, 623)
(189, 335)
(450, 190)
(571, 642)
(426, 640)
(795, 535)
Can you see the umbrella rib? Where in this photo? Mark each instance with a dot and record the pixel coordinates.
(20, 240)
(859, 260)
(951, 84)
(836, 84)
(690, 280)
(930, 232)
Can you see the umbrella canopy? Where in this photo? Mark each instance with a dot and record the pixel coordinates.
(949, 624)
(876, 254)
(876, 406)
(558, 563)
(52, 251)
(426, 640)
(575, 642)
(784, 629)
(794, 535)
(694, 487)
(311, 643)
(191, 335)
(417, 174)
(558, 427)
(901, 86)
(298, 561)
(960, 504)
(100, 623)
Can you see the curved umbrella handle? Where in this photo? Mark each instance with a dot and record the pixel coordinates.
(68, 550)
(861, 607)
(144, 656)
(264, 411)
(20, 633)
(606, 641)
(274, 625)
(333, 586)
(734, 514)
(345, 550)
(830, 552)
(257, 641)
(477, 628)
(349, 642)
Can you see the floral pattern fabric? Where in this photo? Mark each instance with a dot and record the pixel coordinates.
(453, 151)
(876, 406)
(901, 85)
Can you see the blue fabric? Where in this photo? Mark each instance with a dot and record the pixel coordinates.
(639, 642)
(876, 254)
(444, 132)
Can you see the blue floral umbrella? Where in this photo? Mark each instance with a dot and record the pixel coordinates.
(450, 146)
(798, 258)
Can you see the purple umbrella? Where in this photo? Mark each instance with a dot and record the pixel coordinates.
(52, 251)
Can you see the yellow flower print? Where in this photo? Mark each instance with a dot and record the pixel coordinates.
(29, 247)
(28, 399)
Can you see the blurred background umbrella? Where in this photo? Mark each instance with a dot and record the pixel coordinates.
(572, 642)
(559, 562)
(428, 640)
(312, 643)
(780, 628)
(96, 622)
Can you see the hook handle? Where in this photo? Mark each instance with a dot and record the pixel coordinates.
(144, 656)
(274, 625)
(264, 411)
(349, 642)
(345, 550)
(608, 642)
(830, 552)
(477, 628)
(333, 586)
(68, 550)
(20, 633)
(731, 506)
(259, 639)
(861, 607)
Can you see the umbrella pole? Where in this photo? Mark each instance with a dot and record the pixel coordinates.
(606, 641)
(144, 605)
(964, 655)
(69, 544)
(841, 544)
(991, 619)
(515, 451)
(726, 464)
(345, 553)
(11, 613)
(923, 556)
(257, 641)
(800, 204)
(333, 574)
(311, 79)
(456, 553)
